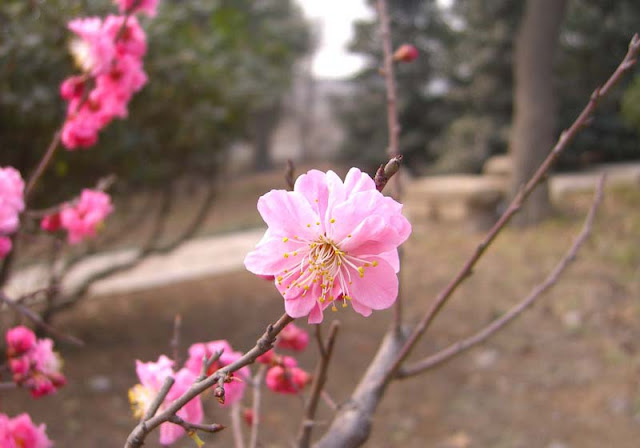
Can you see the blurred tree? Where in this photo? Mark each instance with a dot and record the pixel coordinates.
(213, 66)
(422, 110)
(534, 117)
(631, 104)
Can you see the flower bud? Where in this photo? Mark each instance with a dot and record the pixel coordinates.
(20, 340)
(405, 53)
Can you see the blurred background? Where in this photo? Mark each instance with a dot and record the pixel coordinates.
(239, 87)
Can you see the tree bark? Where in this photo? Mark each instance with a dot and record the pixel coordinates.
(533, 132)
(265, 120)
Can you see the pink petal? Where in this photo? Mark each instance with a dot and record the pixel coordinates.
(301, 306)
(269, 257)
(170, 433)
(361, 308)
(288, 213)
(378, 288)
(315, 316)
(313, 186)
(357, 181)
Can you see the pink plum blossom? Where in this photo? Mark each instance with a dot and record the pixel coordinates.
(132, 40)
(152, 376)
(21, 432)
(330, 241)
(234, 389)
(11, 199)
(51, 223)
(94, 49)
(405, 53)
(33, 363)
(293, 338)
(286, 380)
(146, 6)
(82, 219)
(19, 339)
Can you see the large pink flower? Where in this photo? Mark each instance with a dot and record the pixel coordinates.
(233, 390)
(21, 432)
(82, 219)
(331, 241)
(11, 199)
(152, 376)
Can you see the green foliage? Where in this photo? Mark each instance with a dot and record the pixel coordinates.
(210, 63)
(469, 50)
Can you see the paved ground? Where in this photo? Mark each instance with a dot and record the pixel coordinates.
(221, 254)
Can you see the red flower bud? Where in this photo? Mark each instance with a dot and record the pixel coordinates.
(405, 53)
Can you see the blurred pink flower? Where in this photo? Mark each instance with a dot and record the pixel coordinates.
(233, 390)
(19, 339)
(72, 87)
(11, 199)
(293, 338)
(82, 219)
(33, 363)
(94, 49)
(51, 223)
(20, 432)
(286, 380)
(132, 40)
(152, 376)
(146, 6)
(330, 241)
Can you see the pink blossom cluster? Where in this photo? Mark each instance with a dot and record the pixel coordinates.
(110, 54)
(33, 363)
(284, 376)
(11, 205)
(331, 242)
(234, 388)
(82, 218)
(152, 376)
(21, 432)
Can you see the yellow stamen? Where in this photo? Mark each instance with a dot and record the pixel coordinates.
(285, 239)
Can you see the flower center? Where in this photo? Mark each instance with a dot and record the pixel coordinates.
(140, 398)
(324, 264)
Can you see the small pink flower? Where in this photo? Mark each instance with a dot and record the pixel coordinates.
(20, 432)
(266, 358)
(248, 416)
(132, 41)
(94, 49)
(152, 376)
(11, 199)
(234, 389)
(286, 380)
(19, 339)
(331, 241)
(405, 53)
(132, 6)
(293, 338)
(33, 363)
(82, 219)
(80, 132)
(5, 246)
(72, 88)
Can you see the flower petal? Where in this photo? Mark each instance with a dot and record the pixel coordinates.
(313, 186)
(269, 258)
(357, 181)
(377, 288)
(300, 306)
(288, 213)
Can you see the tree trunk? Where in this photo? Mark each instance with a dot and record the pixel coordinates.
(533, 132)
(265, 120)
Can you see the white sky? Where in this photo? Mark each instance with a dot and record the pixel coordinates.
(335, 19)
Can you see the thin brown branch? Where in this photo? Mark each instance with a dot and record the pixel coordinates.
(319, 380)
(42, 166)
(459, 347)
(565, 138)
(175, 339)
(159, 398)
(319, 339)
(35, 318)
(236, 425)
(265, 343)
(192, 427)
(257, 392)
(289, 174)
(393, 149)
